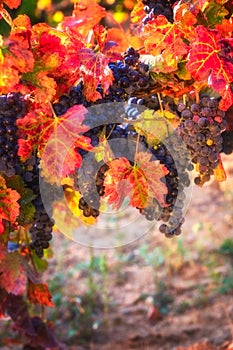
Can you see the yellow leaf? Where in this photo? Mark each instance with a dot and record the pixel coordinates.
(72, 198)
(103, 151)
(67, 181)
(155, 125)
(219, 172)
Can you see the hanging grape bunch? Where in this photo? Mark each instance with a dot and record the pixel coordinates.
(201, 127)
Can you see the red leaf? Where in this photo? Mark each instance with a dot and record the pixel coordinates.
(117, 185)
(39, 294)
(2, 251)
(13, 275)
(12, 4)
(141, 182)
(206, 62)
(94, 70)
(9, 207)
(56, 140)
(59, 154)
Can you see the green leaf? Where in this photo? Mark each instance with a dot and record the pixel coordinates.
(215, 13)
(40, 264)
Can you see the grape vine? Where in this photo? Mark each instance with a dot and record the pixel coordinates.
(138, 118)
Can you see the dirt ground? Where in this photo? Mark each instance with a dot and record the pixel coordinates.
(149, 305)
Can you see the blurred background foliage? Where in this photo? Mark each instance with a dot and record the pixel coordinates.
(53, 11)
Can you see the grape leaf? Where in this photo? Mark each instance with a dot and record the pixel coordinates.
(118, 36)
(88, 14)
(138, 13)
(155, 126)
(117, 184)
(103, 150)
(2, 251)
(219, 171)
(20, 55)
(12, 4)
(12, 273)
(56, 140)
(185, 20)
(39, 294)
(225, 28)
(215, 13)
(206, 62)
(140, 182)
(9, 206)
(65, 222)
(153, 173)
(27, 209)
(94, 70)
(72, 198)
(165, 39)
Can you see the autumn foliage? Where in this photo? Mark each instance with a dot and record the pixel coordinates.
(42, 63)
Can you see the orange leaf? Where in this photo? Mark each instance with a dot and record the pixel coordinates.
(219, 172)
(39, 294)
(206, 62)
(185, 19)
(9, 207)
(118, 36)
(140, 187)
(225, 28)
(165, 39)
(138, 12)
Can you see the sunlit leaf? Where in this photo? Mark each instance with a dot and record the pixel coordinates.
(39, 294)
(9, 206)
(206, 62)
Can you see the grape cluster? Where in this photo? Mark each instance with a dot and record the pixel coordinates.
(133, 109)
(154, 8)
(130, 74)
(42, 225)
(227, 146)
(92, 188)
(74, 97)
(175, 157)
(41, 228)
(201, 127)
(12, 107)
